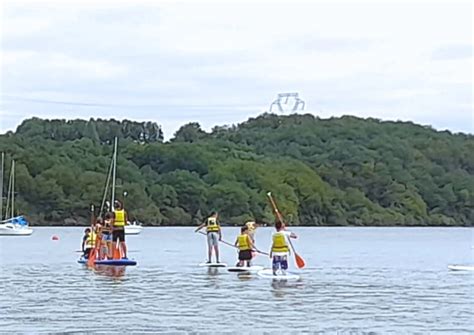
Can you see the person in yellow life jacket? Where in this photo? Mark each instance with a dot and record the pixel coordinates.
(245, 245)
(214, 235)
(252, 227)
(118, 227)
(88, 242)
(280, 248)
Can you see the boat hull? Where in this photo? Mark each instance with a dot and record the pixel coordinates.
(12, 230)
(133, 229)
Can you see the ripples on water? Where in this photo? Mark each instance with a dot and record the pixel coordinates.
(356, 290)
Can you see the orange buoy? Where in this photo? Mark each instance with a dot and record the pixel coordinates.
(55, 238)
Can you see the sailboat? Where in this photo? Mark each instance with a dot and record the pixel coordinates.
(13, 225)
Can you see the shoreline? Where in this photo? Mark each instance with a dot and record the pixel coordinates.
(269, 226)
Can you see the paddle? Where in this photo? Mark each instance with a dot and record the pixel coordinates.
(234, 246)
(93, 252)
(300, 263)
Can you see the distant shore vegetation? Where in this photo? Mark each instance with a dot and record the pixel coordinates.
(343, 171)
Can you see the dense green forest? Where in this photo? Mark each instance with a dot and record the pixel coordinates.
(335, 172)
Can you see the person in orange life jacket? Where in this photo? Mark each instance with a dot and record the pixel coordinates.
(280, 248)
(118, 232)
(214, 235)
(245, 245)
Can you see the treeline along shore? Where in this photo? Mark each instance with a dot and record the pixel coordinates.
(323, 172)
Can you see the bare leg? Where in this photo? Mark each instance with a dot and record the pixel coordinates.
(124, 249)
(209, 253)
(110, 250)
(216, 248)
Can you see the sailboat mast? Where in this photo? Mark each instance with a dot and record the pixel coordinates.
(13, 188)
(1, 187)
(114, 172)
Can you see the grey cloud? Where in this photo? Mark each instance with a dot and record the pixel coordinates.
(452, 52)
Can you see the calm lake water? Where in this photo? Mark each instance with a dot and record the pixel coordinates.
(357, 280)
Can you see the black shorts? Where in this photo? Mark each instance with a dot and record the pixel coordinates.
(87, 252)
(118, 234)
(245, 255)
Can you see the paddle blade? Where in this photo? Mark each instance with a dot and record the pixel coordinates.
(299, 261)
(116, 251)
(91, 259)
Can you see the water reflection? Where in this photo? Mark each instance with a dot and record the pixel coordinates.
(110, 271)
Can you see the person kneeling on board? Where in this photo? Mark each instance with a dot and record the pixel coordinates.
(244, 242)
(280, 248)
(88, 242)
(214, 235)
(118, 232)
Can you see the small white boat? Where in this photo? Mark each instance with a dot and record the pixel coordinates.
(133, 228)
(457, 267)
(15, 225)
(11, 227)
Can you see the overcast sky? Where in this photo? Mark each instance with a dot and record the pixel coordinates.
(218, 64)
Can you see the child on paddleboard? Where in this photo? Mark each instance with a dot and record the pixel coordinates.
(107, 236)
(245, 245)
(214, 235)
(280, 248)
(88, 241)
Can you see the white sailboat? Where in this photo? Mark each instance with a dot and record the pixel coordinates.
(14, 225)
(133, 228)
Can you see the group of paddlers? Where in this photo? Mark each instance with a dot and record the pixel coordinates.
(105, 239)
(245, 242)
(106, 236)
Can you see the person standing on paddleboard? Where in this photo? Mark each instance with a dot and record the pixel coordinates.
(280, 248)
(118, 232)
(245, 245)
(107, 235)
(88, 242)
(214, 235)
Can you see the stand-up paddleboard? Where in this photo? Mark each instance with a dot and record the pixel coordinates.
(214, 265)
(111, 262)
(244, 269)
(461, 267)
(268, 273)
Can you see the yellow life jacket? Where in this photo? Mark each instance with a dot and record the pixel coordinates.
(90, 241)
(243, 242)
(279, 243)
(119, 218)
(212, 225)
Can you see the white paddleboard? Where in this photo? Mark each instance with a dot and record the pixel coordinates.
(461, 267)
(268, 273)
(253, 268)
(214, 265)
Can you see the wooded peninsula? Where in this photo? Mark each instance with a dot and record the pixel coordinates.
(343, 171)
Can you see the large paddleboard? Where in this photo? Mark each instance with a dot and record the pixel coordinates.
(268, 273)
(214, 265)
(461, 267)
(111, 262)
(244, 269)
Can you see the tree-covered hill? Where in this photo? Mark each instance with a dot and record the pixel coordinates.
(339, 171)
